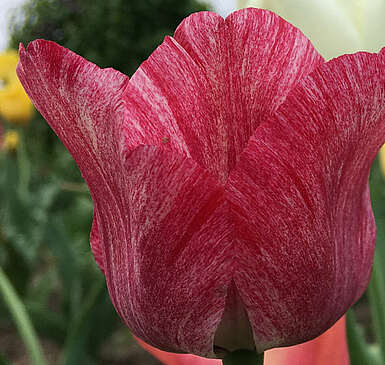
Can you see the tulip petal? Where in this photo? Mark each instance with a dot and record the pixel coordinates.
(80, 101)
(301, 202)
(203, 92)
(95, 243)
(169, 358)
(168, 271)
(329, 348)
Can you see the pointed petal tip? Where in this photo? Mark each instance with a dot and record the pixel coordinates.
(215, 16)
(33, 49)
(21, 58)
(31, 46)
(201, 15)
(39, 46)
(21, 48)
(208, 14)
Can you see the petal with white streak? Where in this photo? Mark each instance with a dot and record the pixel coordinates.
(81, 103)
(205, 91)
(301, 202)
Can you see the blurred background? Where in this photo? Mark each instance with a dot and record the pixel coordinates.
(50, 286)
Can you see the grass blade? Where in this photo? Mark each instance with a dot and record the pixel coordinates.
(22, 321)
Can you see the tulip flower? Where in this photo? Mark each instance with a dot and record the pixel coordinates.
(334, 27)
(15, 105)
(229, 177)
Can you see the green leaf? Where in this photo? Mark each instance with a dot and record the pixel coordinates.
(21, 318)
(74, 351)
(359, 352)
(376, 294)
(376, 289)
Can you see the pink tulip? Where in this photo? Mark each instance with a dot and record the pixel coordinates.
(229, 177)
(330, 348)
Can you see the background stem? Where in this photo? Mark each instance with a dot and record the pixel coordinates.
(376, 293)
(358, 348)
(243, 357)
(22, 320)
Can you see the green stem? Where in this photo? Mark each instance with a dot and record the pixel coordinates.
(21, 319)
(376, 292)
(243, 357)
(23, 166)
(358, 348)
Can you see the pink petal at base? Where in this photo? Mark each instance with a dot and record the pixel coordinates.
(330, 348)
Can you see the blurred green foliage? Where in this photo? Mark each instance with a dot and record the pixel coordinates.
(116, 33)
(46, 210)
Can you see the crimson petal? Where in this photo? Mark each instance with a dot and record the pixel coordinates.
(205, 91)
(81, 102)
(170, 276)
(160, 231)
(301, 202)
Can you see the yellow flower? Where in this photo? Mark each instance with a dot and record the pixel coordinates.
(334, 27)
(15, 105)
(10, 141)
